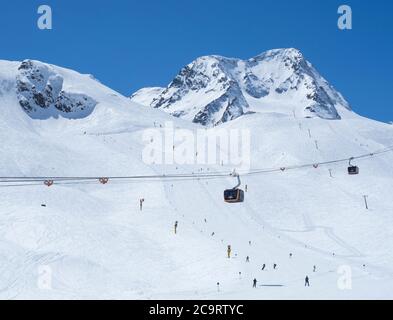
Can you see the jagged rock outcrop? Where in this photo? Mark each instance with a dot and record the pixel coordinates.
(41, 95)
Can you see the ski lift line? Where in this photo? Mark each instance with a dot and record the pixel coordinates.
(171, 176)
(87, 179)
(192, 176)
(86, 182)
(20, 185)
(369, 155)
(123, 181)
(115, 180)
(179, 175)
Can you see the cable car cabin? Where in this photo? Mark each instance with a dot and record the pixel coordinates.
(234, 195)
(352, 170)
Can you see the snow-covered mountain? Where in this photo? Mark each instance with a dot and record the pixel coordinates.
(93, 241)
(214, 89)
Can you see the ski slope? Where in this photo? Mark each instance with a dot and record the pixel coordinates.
(99, 245)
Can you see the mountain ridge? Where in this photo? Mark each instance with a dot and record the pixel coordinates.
(214, 89)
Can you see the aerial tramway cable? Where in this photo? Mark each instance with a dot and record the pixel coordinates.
(49, 181)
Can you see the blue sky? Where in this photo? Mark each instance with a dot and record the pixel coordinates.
(131, 44)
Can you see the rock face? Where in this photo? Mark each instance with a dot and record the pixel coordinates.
(227, 107)
(212, 89)
(40, 93)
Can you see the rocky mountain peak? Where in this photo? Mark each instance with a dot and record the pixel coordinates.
(215, 89)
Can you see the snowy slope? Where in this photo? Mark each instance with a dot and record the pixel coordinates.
(145, 96)
(98, 244)
(214, 89)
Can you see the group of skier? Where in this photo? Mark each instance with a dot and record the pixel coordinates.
(229, 254)
(254, 284)
(255, 281)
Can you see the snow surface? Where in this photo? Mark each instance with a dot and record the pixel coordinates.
(145, 96)
(98, 243)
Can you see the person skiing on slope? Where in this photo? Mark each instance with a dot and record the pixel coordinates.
(176, 223)
(274, 266)
(254, 283)
(229, 250)
(247, 259)
(141, 203)
(315, 269)
(263, 267)
(306, 282)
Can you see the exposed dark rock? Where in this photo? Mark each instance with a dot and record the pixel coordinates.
(41, 95)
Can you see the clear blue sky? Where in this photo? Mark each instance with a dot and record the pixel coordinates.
(131, 44)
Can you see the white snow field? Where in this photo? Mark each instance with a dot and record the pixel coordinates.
(95, 243)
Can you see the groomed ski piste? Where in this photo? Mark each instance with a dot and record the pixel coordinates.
(98, 244)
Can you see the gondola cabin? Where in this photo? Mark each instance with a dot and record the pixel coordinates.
(352, 170)
(233, 195)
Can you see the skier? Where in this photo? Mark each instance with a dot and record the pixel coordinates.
(315, 269)
(229, 250)
(306, 282)
(246, 188)
(218, 286)
(263, 267)
(176, 223)
(247, 259)
(249, 242)
(274, 266)
(141, 203)
(254, 283)
(290, 255)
